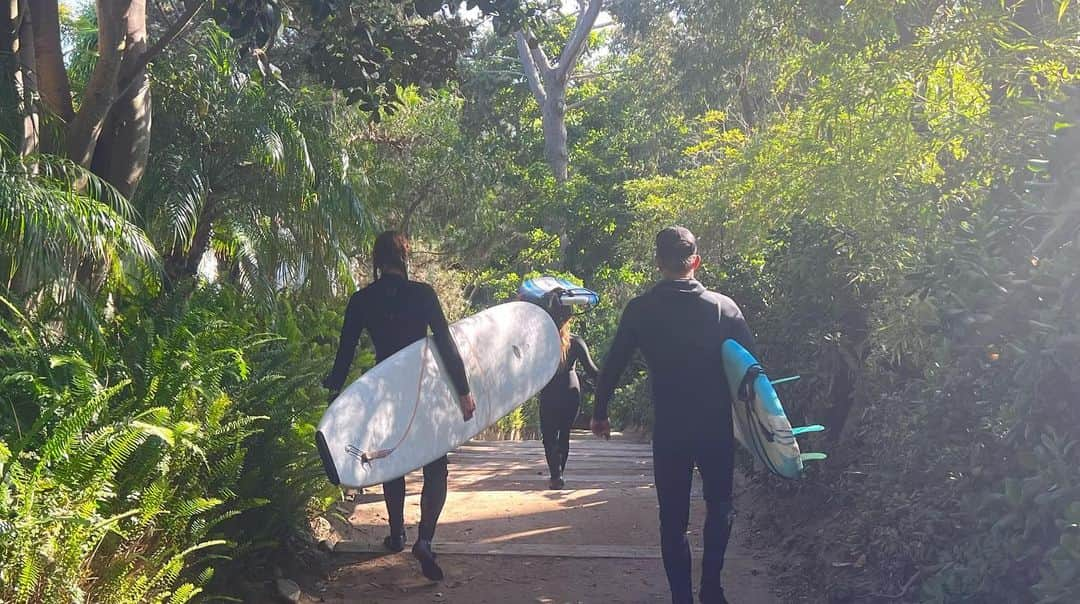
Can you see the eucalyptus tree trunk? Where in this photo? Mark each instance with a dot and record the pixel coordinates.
(548, 83)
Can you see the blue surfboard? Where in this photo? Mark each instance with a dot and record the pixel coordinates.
(534, 290)
(761, 425)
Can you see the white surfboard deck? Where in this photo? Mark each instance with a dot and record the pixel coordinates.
(407, 405)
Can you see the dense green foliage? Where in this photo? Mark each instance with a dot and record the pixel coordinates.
(888, 189)
(147, 452)
(890, 194)
(903, 237)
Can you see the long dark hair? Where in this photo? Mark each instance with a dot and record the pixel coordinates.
(562, 317)
(391, 251)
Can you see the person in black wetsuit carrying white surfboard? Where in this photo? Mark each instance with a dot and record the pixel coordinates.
(397, 312)
(561, 398)
(680, 327)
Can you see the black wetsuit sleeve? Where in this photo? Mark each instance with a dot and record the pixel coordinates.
(444, 342)
(743, 335)
(579, 351)
(350, 337)
(622, 348)
(736, 327)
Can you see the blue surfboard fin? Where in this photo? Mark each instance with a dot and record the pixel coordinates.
(777, 382)
(812, 456)
(807, 429)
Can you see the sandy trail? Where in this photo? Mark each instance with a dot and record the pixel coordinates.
(503, 537)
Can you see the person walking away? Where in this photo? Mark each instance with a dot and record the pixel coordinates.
(397, 312)
(560, 399)
(679, 326)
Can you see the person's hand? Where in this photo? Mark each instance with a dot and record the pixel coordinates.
(468, 406)
(601, 427)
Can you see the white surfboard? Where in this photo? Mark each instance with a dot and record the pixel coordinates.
(404, 413)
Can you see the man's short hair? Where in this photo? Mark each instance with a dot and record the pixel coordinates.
(674, 248)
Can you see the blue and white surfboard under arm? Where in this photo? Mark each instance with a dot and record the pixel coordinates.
(759, 419)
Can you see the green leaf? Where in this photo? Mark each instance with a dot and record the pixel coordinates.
(161, 432)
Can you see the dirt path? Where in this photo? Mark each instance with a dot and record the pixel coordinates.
(504, 538)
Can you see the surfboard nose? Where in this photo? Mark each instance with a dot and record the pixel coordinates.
(327, 460)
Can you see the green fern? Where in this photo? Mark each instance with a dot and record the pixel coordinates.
(60, 443)
(142, 448)
(184, 593)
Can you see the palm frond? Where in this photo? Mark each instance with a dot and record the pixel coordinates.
(57, 217)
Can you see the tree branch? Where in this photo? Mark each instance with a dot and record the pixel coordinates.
(532, 74)
(1064, 227)
(379, 138)
(177, 29)
(578, 104)
(581, 77)
(539, 57)
(578, 38)
(418, 199)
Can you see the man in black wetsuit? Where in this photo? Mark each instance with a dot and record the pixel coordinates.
(679, 326)
(397, 312)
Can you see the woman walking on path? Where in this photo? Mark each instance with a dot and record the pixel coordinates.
(397, 312)
(561, 398)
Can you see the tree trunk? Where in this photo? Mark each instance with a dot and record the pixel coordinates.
(9, 97)
(20, 43)
(842, 398)
(52, 78)
(123, 149)
(101, 91)
(181, 264)
(548, 84)
(555, 140)
(850, 364)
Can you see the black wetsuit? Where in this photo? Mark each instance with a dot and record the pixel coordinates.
(679, 326)
(559, 404)
(397, 312)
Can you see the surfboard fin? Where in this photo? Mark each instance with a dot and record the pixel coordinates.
(807, 429)
(812, 456)
(785, 380)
